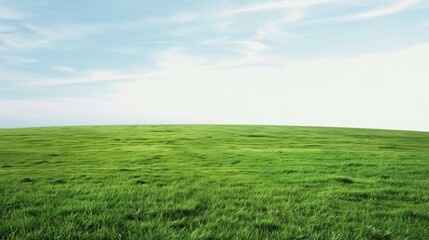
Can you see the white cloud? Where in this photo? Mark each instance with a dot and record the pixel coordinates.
(224, 26)
(170, 59)
(279, 5)
(178, 18)
(274, 28)
(59, 111)
(6, 28)
(10, 14)
(63, 69)
(125, 50)
(251, 45)
(242, 47)
(59, 32)
(12, 60)
(377, 91)
(48, 36)
(43, 37)
(95, 76)
(380, 91)
(176, 58)
(383, 11)
(19, 41)
(396, 8)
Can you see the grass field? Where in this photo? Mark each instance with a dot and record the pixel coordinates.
(213, 182)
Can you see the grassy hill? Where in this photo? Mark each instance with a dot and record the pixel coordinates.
(213, 182)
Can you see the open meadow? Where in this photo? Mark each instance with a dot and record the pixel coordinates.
(213, 182)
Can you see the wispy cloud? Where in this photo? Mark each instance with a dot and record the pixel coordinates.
(177, 18)
(64, 69)
(6, 28)
(13, 76)
(60, 31)
(177, 58)
(125, 50)
(30, 36)
(382, 11)
(12, 60)
(278, 5)
(251, 45)
(10, 14)
(377, 12)
(36, 37)
(275, 27)
(169, 60)
(245, 46)
(89, 77)
(21, 41)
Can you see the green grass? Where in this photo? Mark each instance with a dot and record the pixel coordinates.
(213, 182)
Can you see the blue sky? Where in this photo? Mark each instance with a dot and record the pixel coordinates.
(294, 62)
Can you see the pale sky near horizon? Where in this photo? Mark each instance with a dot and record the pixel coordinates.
(339, 63)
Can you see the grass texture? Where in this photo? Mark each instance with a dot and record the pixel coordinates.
(213, 182)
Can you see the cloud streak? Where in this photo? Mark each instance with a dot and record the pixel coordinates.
(400, 6)
(278, 5)
(94, 76)
(10, 14)
(274, 28)
(35, 37)
(178, 18)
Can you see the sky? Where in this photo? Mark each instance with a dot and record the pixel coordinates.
(341, 63)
